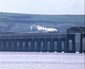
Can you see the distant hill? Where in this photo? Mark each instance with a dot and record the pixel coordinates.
(15, 22)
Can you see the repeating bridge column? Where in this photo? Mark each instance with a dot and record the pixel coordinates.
(30, 47)
(49, 44)
(82, 43)
(10, 45)
(2, 45)
(36, 44)
(56, 45)
(42, 44)
(16, 43)
(70, 46)
(62, 43)
(23, 44)
(6, 45)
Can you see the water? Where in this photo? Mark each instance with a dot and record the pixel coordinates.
(27, 60)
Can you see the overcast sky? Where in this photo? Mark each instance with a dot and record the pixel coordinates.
(53, 7)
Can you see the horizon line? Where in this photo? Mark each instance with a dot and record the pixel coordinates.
(40, 14)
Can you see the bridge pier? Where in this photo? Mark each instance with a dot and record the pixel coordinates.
(82, 47)
(1, 45)
(62, 44)
(15, 45)
(70, 47)
(36, 45)
(4, 45)
(56, 45)
(9, 45)
(22, 44)
(30, 46)
(49, 44)
(42, 44)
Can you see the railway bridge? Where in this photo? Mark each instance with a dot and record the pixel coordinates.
(40, 42)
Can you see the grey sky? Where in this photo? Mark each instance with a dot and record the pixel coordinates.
(43, 6)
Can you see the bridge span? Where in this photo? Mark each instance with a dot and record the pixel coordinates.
(40, 42)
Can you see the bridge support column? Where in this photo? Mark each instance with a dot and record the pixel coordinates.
(42, 44)
(82, 36)
(30, 45)
(56, 45)
(49, 44)
(36, 44)
(15, 45)
(62, 43)
(4, 45)
(24, 45)
(1, 45)
(70, 47)
(9, 45)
